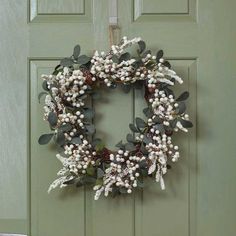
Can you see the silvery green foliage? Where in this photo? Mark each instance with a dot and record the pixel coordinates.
(147, 153)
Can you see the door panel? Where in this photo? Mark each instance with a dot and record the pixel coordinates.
(54, 30)
(13, 116)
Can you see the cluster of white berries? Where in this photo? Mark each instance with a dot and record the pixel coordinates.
(78, 158)
(123, 172)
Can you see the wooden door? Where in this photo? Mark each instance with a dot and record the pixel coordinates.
(198, 37)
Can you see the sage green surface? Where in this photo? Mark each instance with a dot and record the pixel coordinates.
(199, 39)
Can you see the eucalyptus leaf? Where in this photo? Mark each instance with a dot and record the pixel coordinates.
(181, 108)
(66, 62)
(159, 55)
(120, 145)
(60, 138)
(90, 128)
(52, 119)
(41, 95)
(140, 122)
(69, 182)
(124, 57)
(167, 64)
(160, 127)
(130, 138)
(143, 149)
(133, 128)
(45, 139)
(99, 146)
(142, 46)
(83, 59)
(157, 120)
(143, 164)
(76, 140)
(148, 112)
(45, 85)
(115, 59)
(76, 51)
(100, 173)
(147, 140)
(96, 141)
(130, 147)
(146, 53)
(173, 123)
(183, 96)
(90, 170)
(65, 128)
(186, 123)
(89, 113)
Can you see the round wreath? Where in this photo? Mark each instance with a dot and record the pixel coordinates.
(148, 151)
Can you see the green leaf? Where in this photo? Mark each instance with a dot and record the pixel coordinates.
(159, 55)
(186, 123)
(142, 46)
(133, 128)
(143, 164)
(52, 119)
(130, 147)
(148, 112)
(90, 170)
(173, 123)
(100, 173)
(115, 59)
(183, 96)
(45, 138)
(83, 59)
(96, 141)
(41, 94)
(66, 62)
(76, 140)
(69, 182)
(147, 140)
(60, 138)
(99, 182)
(65, 128)
(124, 57)
(157, 120)
(90, 128)
(143, 149)
(130, 138)
(160, 127)
(140, 123)
(45, 85)
(167, 64)
(120, 145)
(99, 146)
(76, 51)
(181, 108)
(146, 53)
(88, 113)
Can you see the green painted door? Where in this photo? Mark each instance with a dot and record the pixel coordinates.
(198, 37)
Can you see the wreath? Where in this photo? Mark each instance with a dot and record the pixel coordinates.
(148, 150)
